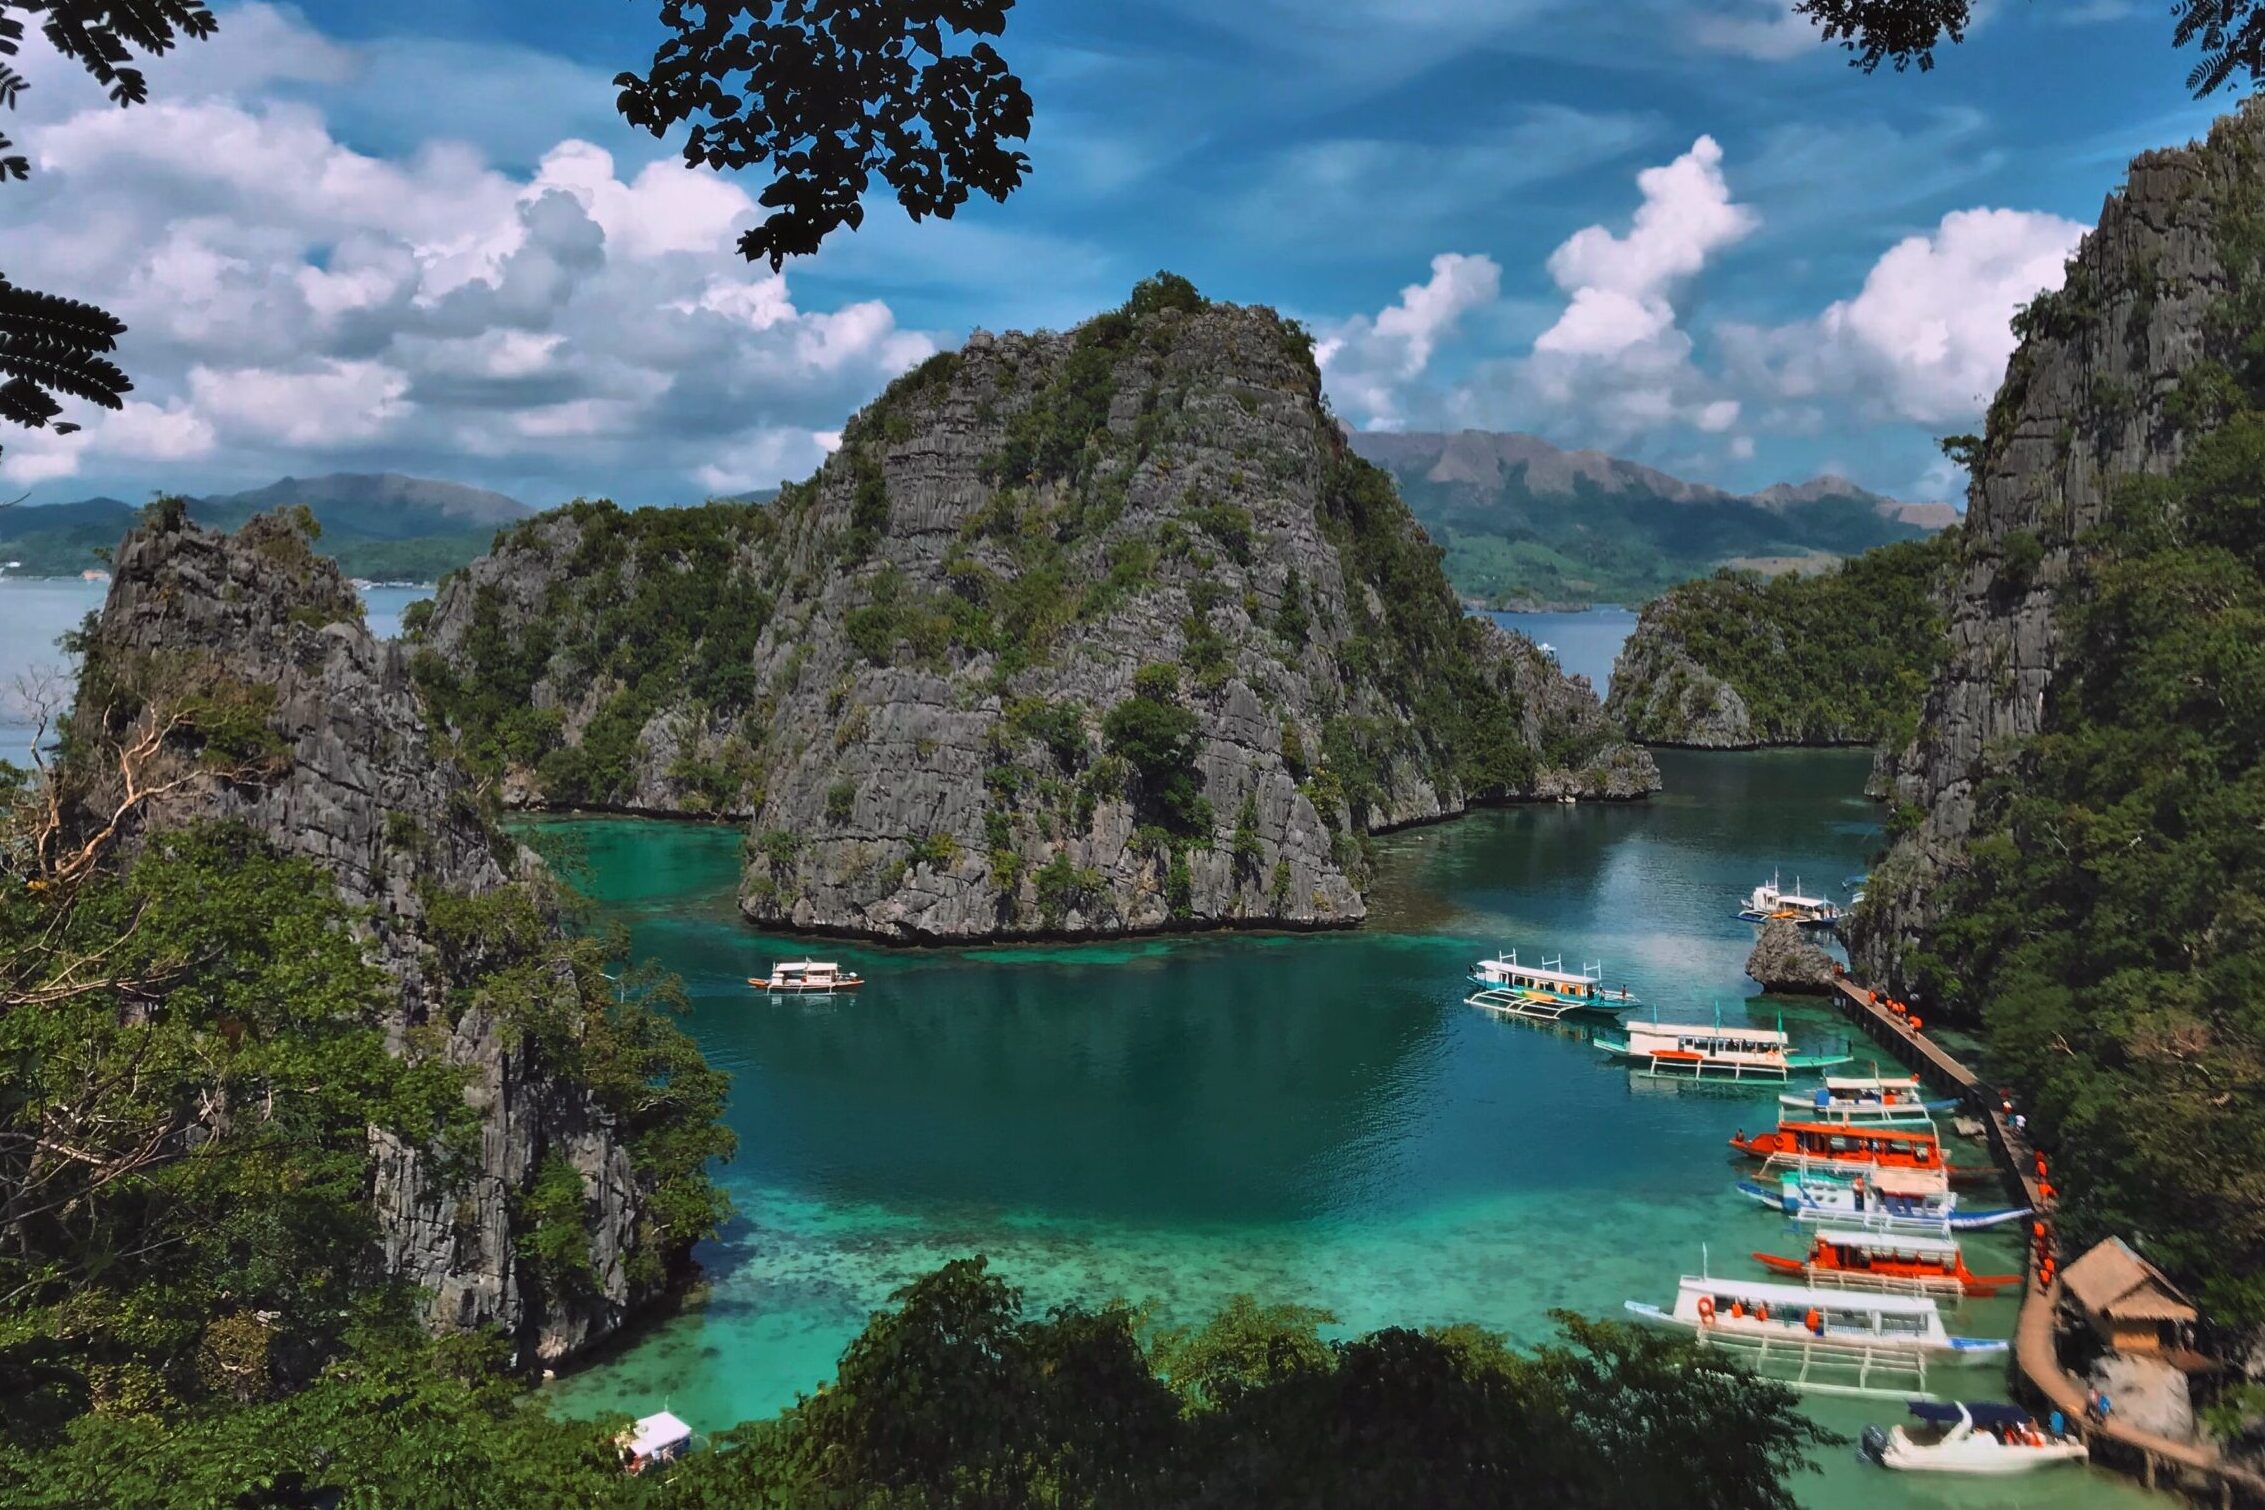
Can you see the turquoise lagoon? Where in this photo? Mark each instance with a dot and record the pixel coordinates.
(1317, 1118)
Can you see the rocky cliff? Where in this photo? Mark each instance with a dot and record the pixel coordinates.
(338, 768)
(1735, 660)
(1078, 633)
(1788, 964)
(2110, 381)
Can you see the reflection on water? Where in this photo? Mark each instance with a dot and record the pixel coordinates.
(1310, 1117)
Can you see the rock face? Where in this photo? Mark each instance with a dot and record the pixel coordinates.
(359, 789)
(2145, 1393)
(944, 730)
(2092, 394)
(1662, 696)
(1787, 964)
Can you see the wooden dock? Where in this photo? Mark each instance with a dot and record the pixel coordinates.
(2191, 1468)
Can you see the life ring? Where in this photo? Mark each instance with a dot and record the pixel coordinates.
(1706, 1310)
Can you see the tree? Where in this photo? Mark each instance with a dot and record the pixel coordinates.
(830, 93)
(1905, 33)
(50, 344)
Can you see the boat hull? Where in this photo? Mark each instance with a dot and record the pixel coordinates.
(1975, 1454)
(795, 988)
(1881, 1214)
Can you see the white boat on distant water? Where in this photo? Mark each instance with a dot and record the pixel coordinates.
(1693, 1051)
(1544, 992)
(1771, 901)
(1973, 1438)
(808, 977)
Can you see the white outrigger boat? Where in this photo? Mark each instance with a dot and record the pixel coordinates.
(1692, 1051)
(1770, 901)
(808, 977)
(1977, 1438)
(1833, 1342)
(1543, 992)
(1884, 1200)
(1883, 1099)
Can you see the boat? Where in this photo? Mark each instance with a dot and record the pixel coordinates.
(1833, 1342)
(657, 1438)
(1806, 1146)
(1692, 1051)
(1856, 886)
(1971, 1437)
(1770, 901)
(808, 977)
(1544, 992)
(1897, 1263)
(1867, 1098)
(1876, 1204)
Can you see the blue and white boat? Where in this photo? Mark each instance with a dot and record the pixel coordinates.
(1545, 992)
(1867, 1206)
(1770, 901)
(1866, 1331)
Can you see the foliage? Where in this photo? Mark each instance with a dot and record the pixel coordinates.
(831, 94)
(1842, 658)
(2111, 926)
(661, 604)
(185, 1148)
(1064, 887)
(1904, 33)
(1154, 732)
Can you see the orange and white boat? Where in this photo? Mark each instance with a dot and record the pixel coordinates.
(1811, 1147)
(1898, 1265)
(808, 977)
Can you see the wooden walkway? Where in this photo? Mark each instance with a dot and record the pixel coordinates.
(2158, 1461)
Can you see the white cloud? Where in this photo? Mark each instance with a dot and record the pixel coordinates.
(1767, 31)
(1616, 363)
(1368, 362)
(1927, 337)
(295, 304)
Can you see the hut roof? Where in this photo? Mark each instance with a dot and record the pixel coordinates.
(2111, 1280)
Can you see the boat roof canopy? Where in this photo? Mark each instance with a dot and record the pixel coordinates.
(1884, 1242)
(1986, 1413)
(1536, 972)
(806, 966)
(1710, 1030)
(1871, 1082)
(657, 1431)
(1802, 1297)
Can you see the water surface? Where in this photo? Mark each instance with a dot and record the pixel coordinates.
(1313, 1118)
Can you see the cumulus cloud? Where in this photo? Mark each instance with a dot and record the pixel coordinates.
(1616, 363)
(1927, 337)
(1767, 31)
(1369, 362)
(295, 304)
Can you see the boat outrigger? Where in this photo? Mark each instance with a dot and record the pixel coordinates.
(1544, 992)
(1867, 1098)
(808, 977)
(1833, 1342)
(1897, 1264)
(1771, 901)
(1881, 1203)
(1690, 1051)
(1807, 1146)
(1978, 1438)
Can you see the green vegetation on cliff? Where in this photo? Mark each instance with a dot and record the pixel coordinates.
(2111, 924)
(1840, 658)
(957, 1398)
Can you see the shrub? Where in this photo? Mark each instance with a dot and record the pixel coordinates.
(841, 799)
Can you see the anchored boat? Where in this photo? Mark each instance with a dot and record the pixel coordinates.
(1689, 1051)
(1898, 1264)
(1836, 1342)
(806, 978)
(1882, 1203)
(1770, 901)
(1867, 1098)
(1805, 1146)
(1962, 1437)
(1544, 992)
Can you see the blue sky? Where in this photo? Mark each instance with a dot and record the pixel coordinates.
(415, 235)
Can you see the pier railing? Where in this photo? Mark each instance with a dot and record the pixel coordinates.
(2159, 1462)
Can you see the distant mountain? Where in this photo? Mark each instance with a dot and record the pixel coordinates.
(378, 524)
(1525, 523)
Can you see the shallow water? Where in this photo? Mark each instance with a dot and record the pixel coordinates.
(1312, 1118)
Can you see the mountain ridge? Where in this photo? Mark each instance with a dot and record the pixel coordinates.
(1526, 522)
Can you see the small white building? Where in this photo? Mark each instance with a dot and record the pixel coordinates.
(657, 1438)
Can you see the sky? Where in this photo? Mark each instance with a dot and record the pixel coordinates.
(414, 235)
